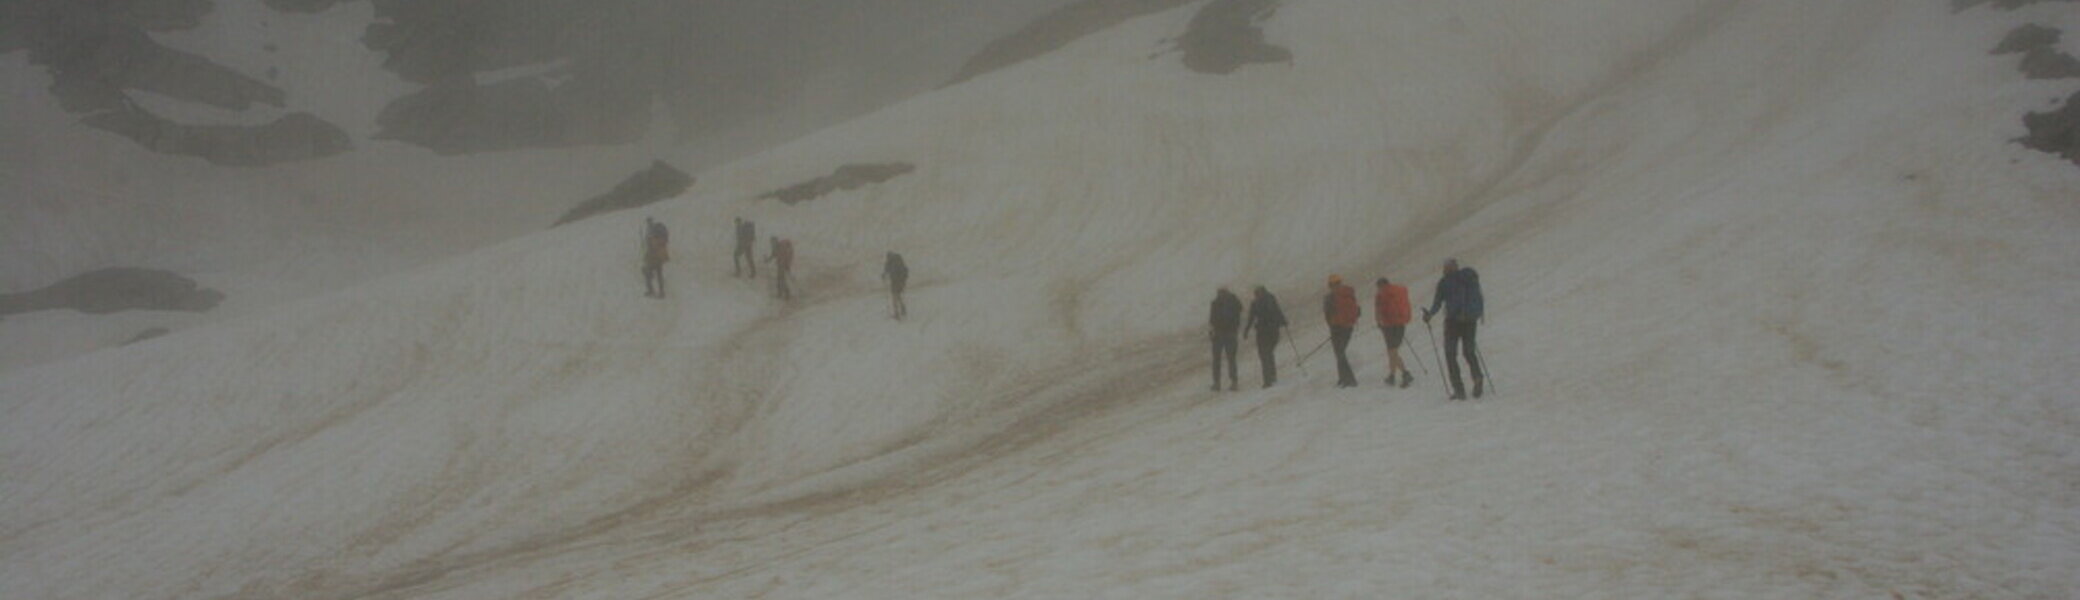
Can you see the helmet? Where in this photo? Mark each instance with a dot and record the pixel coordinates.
(1335, 280)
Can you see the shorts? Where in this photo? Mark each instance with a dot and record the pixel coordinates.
(1394, 335)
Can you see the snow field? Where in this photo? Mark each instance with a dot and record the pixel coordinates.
(1775, 311)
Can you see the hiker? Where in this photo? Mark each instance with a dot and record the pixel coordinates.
(656, 251)
(1340, 309)
(1459, 291)
(1390, 308)
(1224, 323)
(1265, 319)
(897, 273)
(747, 234)
(782, 257)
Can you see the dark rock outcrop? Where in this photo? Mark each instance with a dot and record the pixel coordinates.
(2056, 131)
(292, 138)
(1961, 5)
(1225, 35)
(1056, 30)
(848, 177)
(97, 51)
(155, 332)
(116, 290)
(649, 186)
(462, 117)
(2038, 46)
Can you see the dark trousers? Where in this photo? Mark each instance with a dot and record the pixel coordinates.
(653, 279)
(1456, 332)
(1340, 338)
(895, 292)
(742, 259)
(1267, 353)
(1224, 346)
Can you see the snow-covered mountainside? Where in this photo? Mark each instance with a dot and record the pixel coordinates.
(1774, 306)
(137, 132)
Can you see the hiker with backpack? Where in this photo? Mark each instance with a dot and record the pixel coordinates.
(782, 257)
(747, 234)
(1391, 309)
(1459, 292)
(898, 274)
(1340, 309)
(1265, 319)
(1224, 322)
(656, 251)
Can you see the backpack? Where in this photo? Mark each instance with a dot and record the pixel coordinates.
(659, 245)
(896, 269)
(1470, 305)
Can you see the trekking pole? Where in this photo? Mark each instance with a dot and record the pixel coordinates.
(1418, 356)
(1487, 371)
(1435, 353)
(1310, 353)
(1296, 356)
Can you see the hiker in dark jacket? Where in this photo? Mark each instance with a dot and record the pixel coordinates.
(898, 274)
(656, 251)
(1265, 319)
(741, 260)
(782, 258)
(1225, 322)
(1459, 292)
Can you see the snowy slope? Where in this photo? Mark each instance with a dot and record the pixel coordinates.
(1775, 309)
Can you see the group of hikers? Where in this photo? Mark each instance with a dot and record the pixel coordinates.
(1458, 295)
(780, 253)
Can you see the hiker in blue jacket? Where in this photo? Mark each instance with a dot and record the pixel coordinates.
(1459, 292)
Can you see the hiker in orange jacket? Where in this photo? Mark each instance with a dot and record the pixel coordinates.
(1390, 307)
(1340, 309)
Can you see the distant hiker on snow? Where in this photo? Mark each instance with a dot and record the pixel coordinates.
(1265, 319)
(897, 274)
(1390, 307)
(656, 251)
(1224, 322)
(782, 257)
(1459, 291)
(747, 234)
(1340, 309)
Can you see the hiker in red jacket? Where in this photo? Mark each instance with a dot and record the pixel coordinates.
(1390, 307)
(1340, 308)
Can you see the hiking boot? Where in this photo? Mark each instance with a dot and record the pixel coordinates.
(1232, 386)
(1216, 386)
(1477, 387)
(1407, 378)
(1458, 396)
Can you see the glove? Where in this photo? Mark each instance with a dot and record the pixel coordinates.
(1426, 315)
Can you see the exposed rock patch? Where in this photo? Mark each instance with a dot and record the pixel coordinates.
(1225, 35)
(116, 290)
(97, 51)
(461, 117)
(848, 177)
(147, 334)
(1056, 30)
(2038, 46)
(292, 138)
(2056, 131)
(649, 186)
(2006, 4)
